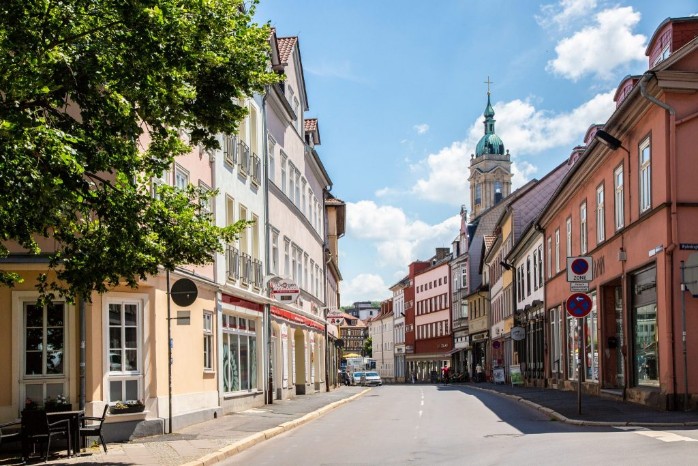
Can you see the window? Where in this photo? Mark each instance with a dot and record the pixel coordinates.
(568, 251)
(181, 177)
(244, 242)
(497, 192)
(591, 342)
(44, 351)
(239, 354)
(124, 368)
(549, 261)
(540, 266)
(205, 206)
(600, 225)
(619, 198)
(528, 276)
(208, 341)
(271, 146)
(645, 176)
(583, 228)
(297, 193)
(287, 261)
(292, 182)
(556, 341)
(275, 252)
(284, 162)
(536, 271)
(304, 202)
(557, 250)
(572, 346)
(464, 276)
(478, 194)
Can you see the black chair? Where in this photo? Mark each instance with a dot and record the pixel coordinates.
(36, 427)
(10, 432)
(95, 429)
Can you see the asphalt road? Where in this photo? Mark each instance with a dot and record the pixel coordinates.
(437, 424)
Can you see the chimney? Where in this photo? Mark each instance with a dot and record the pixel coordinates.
(442, 253)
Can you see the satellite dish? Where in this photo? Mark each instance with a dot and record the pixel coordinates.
(184, 292)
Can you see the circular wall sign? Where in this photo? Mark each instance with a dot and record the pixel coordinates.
(578, 305)
(184, 292)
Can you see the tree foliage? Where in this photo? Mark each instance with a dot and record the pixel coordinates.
(94, 98)
(367, 349)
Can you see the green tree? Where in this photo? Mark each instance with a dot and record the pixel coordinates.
(94, 98)
(367, 350)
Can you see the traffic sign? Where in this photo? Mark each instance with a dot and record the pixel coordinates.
(579, 269)
(582, 287)
(578, 305)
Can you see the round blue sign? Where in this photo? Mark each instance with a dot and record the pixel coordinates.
(580, 266)
(578, 305)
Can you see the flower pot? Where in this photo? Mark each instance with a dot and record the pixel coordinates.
(127, 409)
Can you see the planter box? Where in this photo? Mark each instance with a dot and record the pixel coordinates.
(126, 410)
(57, 407)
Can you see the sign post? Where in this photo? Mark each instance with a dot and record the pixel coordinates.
(579, 305)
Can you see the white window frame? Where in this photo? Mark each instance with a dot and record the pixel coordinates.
(557, 250)
(208, 341)
(141, 302)
(619, 207)
(549, 261)
(274, 251)
(181, 180)
(645, 163)
(600, 215)
(271, 169)
(583, 242)
(568, 244)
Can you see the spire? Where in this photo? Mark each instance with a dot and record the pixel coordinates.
(490, 142)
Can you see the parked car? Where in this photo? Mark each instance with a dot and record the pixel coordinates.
(372, 378)
(356, 378)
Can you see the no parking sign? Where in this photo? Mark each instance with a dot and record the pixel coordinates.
(578, 305)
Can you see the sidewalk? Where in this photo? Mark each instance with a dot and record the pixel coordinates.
(215, 440)
(604, 410)
(212, 441)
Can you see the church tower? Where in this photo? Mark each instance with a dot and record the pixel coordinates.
(490, 167)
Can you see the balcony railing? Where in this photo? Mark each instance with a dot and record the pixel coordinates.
(246, 268)
(257, 273)
(233, 263)
(230, 149)
(256, 170)
(243, 158)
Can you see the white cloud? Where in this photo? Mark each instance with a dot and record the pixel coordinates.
(421, 128)
(564, 13)
(601, 48)
(364, 287)
(397, 239)
(528, 131)
(447, 175)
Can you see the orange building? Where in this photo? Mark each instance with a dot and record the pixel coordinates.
(631, 205)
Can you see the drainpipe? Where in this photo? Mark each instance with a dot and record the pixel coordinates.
(267, 272)
(671, 150)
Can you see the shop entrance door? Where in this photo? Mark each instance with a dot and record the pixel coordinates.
(613, 361)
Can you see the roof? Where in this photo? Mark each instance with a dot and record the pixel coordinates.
(285, 45)
(311, 124)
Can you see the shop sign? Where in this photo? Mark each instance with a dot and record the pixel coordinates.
(518, 333)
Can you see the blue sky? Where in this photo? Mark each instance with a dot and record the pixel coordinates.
(398, 88)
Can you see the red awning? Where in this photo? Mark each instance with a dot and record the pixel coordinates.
(295, 318)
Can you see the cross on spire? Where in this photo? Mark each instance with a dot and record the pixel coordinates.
(488, 82)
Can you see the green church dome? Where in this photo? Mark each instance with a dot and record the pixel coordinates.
(490, 143)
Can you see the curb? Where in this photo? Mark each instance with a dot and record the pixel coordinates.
(254, 439)
(578, 422)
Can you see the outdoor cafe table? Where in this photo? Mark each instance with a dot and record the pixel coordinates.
(74, 417)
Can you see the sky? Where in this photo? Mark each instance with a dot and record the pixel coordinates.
(399, 90)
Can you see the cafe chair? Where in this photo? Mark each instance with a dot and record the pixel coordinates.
(94, 429)
(36, 427)
(10, 432)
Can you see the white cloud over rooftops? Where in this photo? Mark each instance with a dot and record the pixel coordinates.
(564, 13)
(601, 48)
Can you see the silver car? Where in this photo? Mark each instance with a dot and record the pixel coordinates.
(372, 378)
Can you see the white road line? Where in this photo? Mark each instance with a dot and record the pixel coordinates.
(658, 435)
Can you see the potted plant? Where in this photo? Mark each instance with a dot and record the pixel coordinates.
(30, 404)
(126, 407)
(60, 403)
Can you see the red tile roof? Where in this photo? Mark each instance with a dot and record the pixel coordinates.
(311, 124)
(285, 45)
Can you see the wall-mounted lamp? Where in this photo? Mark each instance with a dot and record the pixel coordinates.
(506, 265)
(622, 255)
(608, 140)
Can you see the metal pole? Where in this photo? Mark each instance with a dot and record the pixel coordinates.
(169, 353)
(579, 366)
(327, 353)
(270, 378)
(83, 352)
(683, 338)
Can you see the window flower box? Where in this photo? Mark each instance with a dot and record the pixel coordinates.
(127, 407)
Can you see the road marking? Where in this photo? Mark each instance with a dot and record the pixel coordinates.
(421, 403)
(420, 413)
(658, 435)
